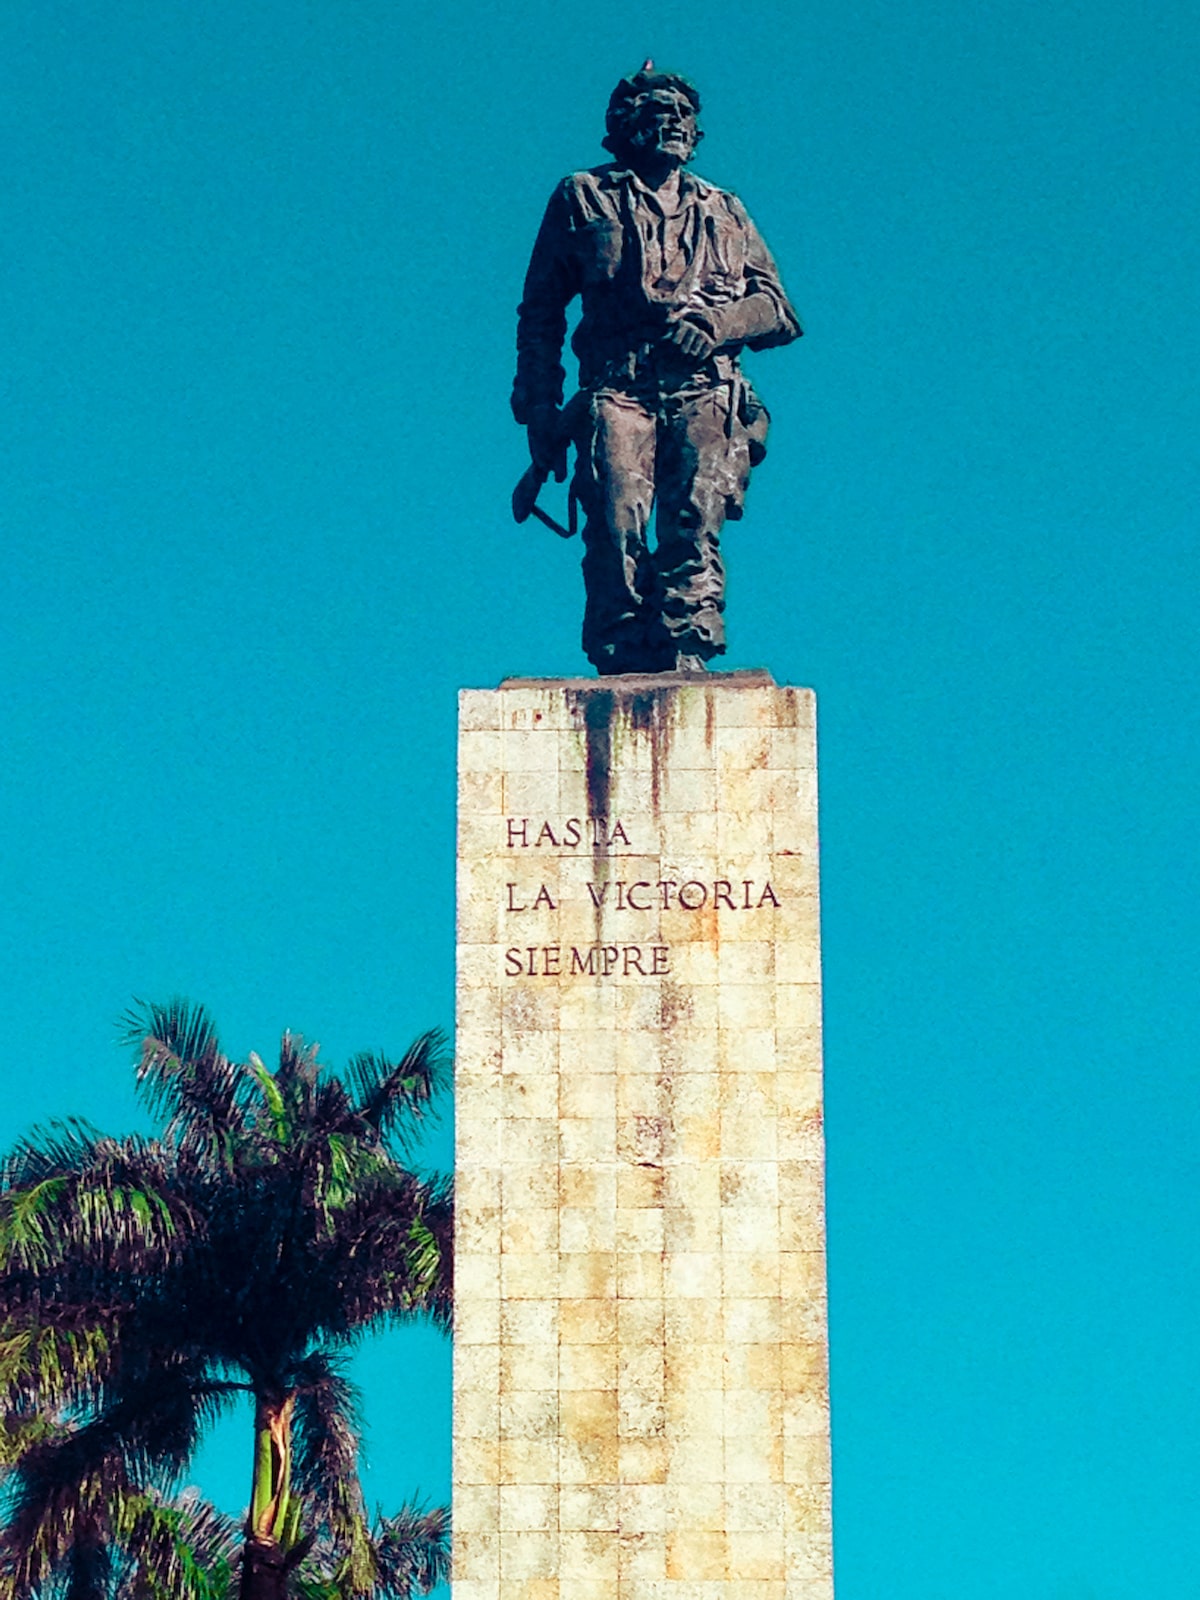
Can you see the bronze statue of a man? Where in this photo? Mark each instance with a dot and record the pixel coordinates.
(674, 282)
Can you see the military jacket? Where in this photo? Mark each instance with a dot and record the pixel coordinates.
(607, 238)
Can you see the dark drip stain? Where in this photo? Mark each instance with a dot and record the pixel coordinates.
(598, 733)
(642, 709)
(647, 714)
(592, 710)
(602, 714)
(605, 716)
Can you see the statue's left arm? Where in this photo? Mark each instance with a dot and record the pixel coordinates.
(761, 315)
(767, 316)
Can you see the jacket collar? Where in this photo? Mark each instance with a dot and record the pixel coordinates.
(690, 186)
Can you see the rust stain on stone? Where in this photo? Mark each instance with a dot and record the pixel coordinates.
(677, 1005)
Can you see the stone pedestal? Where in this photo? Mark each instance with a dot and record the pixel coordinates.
(640, 1390)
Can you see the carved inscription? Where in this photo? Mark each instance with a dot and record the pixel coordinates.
(592, 833)
(665, 895)
(592, 961)
(599, 836)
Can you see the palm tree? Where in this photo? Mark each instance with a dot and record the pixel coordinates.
(146, 1283)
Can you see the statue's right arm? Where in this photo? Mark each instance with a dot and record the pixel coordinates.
(551, 283)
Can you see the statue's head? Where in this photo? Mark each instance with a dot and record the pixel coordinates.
(653, 113)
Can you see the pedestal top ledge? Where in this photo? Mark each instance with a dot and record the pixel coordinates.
(747, 678)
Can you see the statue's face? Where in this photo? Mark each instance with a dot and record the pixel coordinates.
(662, 121)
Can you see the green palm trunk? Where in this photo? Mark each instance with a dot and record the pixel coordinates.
(273, 1523)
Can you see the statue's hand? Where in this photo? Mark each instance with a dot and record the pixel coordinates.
(698, 332)
(693, 335)
(548, 442)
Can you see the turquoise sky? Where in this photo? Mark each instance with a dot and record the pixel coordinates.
(259, 266)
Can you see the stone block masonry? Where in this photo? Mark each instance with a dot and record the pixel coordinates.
(640, 1389)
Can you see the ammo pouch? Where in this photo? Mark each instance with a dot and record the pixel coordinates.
(754, 418)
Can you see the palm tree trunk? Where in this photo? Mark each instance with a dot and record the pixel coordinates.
(271, 1527)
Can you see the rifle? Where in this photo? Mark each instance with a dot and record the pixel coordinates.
(524, 496)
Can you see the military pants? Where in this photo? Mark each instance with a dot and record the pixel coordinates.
(687, 455)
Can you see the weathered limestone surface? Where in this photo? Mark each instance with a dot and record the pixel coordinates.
(640, 1391)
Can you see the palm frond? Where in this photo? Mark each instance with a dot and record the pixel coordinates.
(73, 1197)
(326, 1440)
(63, 1145)
(71, 1484)
(91, 1534)
(439, 1219)
(387, 1256)
(20, 1432)
(184, 1548)
(298, 1063)
(183, 1076)
(412, 1552)
(393, 1098)
(47, 1368)
(276, 1117)
(160, 1413)
(177, 1032)
(59, 1497)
